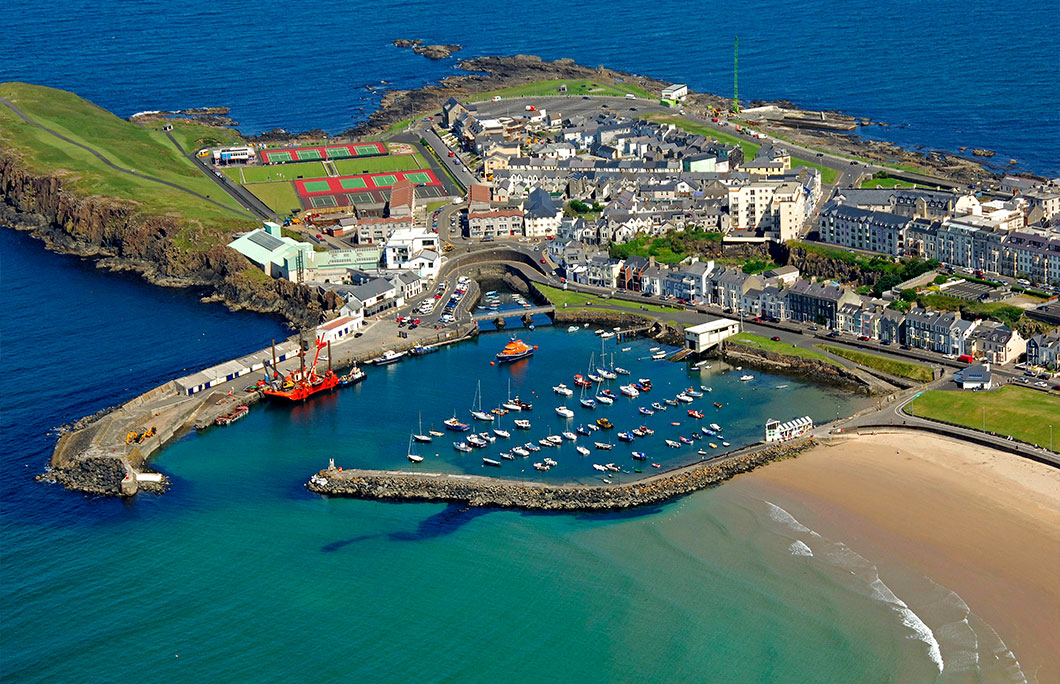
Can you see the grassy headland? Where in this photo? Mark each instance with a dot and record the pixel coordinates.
(745, 339)
(126, 145)
(575, 86)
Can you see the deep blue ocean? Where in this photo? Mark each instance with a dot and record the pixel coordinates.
(942, 74)
(239, 575)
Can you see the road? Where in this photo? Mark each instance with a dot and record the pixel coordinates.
(114, 166)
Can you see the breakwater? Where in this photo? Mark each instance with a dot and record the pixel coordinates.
(477, 490)
(817, 370)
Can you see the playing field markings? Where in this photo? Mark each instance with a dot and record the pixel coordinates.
(279, 156)
(316, 186)
(418, 177)
(324, 201)
(242, 177)
(338, 152)
(353, 183)
(384, 181)
(367, 149)
(361, 198)
(308, 155)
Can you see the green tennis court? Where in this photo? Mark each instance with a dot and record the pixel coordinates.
(418, 177)
(361, 198)
(368, 149)
(384, 181)
(317, 186)
(338, 152)
(305, 155)
(353, 183)
(279, 156)
(321, 201)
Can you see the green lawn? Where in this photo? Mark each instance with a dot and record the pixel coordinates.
(570, 299)
(125, 144)
(194, 136)
(394, 162)
(828, 175)
(399, 125)
(759, 342)
(280, 172)
(885, 183)
(280, 196)
(575, 86)
(749, 148)
(998, 311)
(1023, 413)
(905, 369)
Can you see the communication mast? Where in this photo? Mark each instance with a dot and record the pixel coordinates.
(736, 75)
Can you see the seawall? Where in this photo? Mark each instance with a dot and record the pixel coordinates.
(477, 490)
(813, 369)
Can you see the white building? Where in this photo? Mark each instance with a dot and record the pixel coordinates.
(335, 330)
(704, 336)
(405, 243)
(675, 93)
(782, 432)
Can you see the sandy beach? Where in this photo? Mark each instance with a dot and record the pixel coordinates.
(982, 523)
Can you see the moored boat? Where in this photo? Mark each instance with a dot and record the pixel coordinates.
(621, 371)
(582, 450)
(604, 423)
(490, 462)
(522, 424)
(562, 390)
(746, 378)
(233, 415)
(462, 446)
(639, 456)
(603, 446)
(388, 357)
(564, 411)
(514, 351)
(672, 444)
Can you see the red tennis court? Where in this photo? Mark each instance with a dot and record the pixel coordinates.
(301, 154)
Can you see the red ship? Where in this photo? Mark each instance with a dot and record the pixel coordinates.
(300, 384)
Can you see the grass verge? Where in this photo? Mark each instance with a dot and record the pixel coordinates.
(569, 299)
(1022, 413)
(884, 364)
(758, 342)
(279, 196)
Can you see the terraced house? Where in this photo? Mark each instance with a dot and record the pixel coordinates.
(818, 302)
(875, 231)
(934, 331)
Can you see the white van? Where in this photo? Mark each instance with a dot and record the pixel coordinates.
(631, 96)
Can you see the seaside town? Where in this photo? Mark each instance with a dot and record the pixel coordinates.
(544, 287)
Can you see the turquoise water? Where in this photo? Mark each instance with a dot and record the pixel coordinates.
(238, 574)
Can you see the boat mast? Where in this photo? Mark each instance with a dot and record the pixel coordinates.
(275, 370)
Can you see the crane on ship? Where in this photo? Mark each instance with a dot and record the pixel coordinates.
(302, 383)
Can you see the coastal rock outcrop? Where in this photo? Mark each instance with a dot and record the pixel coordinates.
(819, 371)
(123, 239)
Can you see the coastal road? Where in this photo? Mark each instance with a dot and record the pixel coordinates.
(114, 166)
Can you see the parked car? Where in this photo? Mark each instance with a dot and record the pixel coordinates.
(863, 338)
(834, 333)
(775, 338)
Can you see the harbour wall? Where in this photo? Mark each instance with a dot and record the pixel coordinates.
(813, 369)
(477, 490)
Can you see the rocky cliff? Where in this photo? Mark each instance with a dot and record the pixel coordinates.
(814, 265)
(125, 240)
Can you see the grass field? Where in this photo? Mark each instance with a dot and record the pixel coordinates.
(280, 172)
(749, 148)
(905, 369)
(279, 196)
(194, 136)
(125, 144)
(575, 86)
(396, 162)
(577, 300)
(1023, 413)
(759, 342)
(885, 183)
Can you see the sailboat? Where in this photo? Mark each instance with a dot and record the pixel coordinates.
(587, 402)
(415, 458)
(501, 433)
(511, 405)
(591, 373)
(601, 370)
(420, 437)
(478, 413)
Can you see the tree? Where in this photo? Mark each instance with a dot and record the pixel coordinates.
(940, 279)
(885, 282)
(909, 295)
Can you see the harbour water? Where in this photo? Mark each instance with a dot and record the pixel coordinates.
(897, 64)
(238, 574)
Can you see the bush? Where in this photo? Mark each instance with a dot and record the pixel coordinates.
(909, 294)
(940, 279)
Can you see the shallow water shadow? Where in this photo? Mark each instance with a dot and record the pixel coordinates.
(438, 525)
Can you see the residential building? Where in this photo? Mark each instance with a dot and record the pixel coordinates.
(818, 302)
(874, 231)
(1044, 350)
(704, 336)
(405, 243)
(541, 216)
(977, 377)
(935, 331)
(997, 343)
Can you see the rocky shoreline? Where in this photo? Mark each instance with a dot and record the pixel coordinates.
(479, 491)
(813, 369)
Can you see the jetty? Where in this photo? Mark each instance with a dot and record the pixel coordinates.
(478, 490)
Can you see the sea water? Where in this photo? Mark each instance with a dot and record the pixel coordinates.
(941, 75)
(239, 574)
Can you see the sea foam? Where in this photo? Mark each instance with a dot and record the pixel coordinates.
(799, 548)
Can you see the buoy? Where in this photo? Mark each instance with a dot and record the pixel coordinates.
(535, 346)
(493, 363)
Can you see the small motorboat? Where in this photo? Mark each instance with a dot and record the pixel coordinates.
(507, 456)
(604, 423)
(601, 468)
(656, 465)
(626, 348)
(654, 349)
(545, 442)
(541, 466)
(701, 364)
(593, 427)
(582, 430)
(696, 436)
(672, 444)
(580, 381)
(567, 434)
(519, 451)
(612, 467)
(607, 335)
(462, 446)
(637, 432)
(644, 384)
(693, 392)
(684, 398)
(646, 411)
(604, 446)
(511, 406)
(530, 446)
(695, 414)
(703, 452)
(502, 433)
(647, 430)
(658, 356)
(713, 445)
(781, 386)
(522, 424)
(415, 458)
(670, 402)
(675, 423)
(621, 371)
(715, 427)
(629, 391)
(454, 424)
(582, 450)
(746, 378)
(606, 374)
(549, 461)
(725, 444)
(657, 406)
(604, 399)
(573, 329)
(639, 456)
(684, 440)
(563, 389)
(564, 411)
(717, 405)
(626, 436)
(555, 439)
(706, 431)
(490, 462)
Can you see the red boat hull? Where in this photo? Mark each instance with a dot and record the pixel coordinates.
(303, 390)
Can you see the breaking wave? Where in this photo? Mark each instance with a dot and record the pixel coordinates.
(799, 548)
